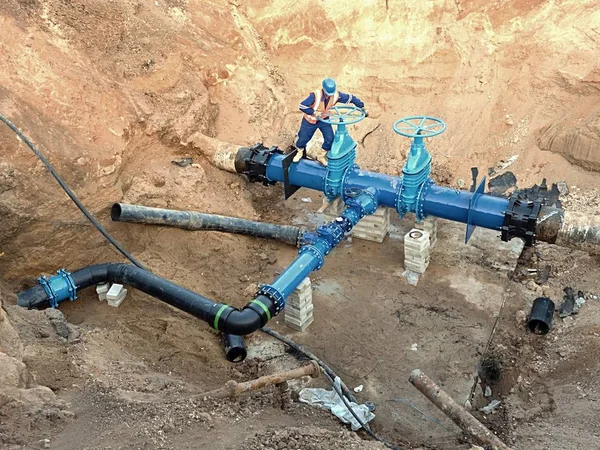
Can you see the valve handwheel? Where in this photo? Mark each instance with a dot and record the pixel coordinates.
(419, 126)
(343, 115)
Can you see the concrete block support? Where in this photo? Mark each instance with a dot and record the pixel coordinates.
(115, 295)
(370, 228)
(429, 224)
(416, 250)
(299, 307)
(101, 290)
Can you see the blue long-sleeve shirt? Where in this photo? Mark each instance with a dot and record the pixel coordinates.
(306, 104)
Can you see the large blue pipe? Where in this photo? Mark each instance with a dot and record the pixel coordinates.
(453, 204)
(486, 211)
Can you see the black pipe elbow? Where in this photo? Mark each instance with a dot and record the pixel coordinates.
(253, 316)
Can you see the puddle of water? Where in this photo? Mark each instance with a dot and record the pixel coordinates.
(329, 287)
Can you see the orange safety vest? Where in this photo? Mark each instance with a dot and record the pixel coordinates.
(319, 105)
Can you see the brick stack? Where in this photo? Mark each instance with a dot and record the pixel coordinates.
(115, 295)
(429, 224)
(416, 250)
(374, 227)
(101, 290)
(299, 307)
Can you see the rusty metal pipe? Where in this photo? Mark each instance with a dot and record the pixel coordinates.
(455, 412)
(569, 229)
(234, 389)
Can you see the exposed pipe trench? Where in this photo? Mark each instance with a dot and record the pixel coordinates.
(191, 220)
(268, 302)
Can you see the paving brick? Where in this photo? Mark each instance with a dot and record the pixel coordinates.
(416, 250)
(101, 290)
(301, 327)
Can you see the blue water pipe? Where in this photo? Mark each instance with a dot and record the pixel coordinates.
(413, 192)
(316, 245)
(59, 287)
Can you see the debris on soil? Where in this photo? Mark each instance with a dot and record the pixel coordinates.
(502, 183)
(487, 392)
(309, 438)
(499, 167)
(183, 162)
(489, 409)
(411, 277)
(541, 316)
(58, 321)
(331, 401)
(570, 304)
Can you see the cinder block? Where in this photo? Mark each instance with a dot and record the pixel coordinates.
(116, 294)
(298, 315)
(299, 307)
(374, 227)
(117, 302)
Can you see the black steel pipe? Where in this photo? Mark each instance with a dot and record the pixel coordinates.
(222, 317)
(191, 220)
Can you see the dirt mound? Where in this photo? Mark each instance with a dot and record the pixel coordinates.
(309, 438)
(29, 407)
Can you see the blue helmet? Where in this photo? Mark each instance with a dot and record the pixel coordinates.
(329, 86)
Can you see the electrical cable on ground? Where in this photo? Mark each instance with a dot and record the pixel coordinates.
(70, 193)
(329, 374)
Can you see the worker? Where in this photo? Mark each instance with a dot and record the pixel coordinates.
(314, 106)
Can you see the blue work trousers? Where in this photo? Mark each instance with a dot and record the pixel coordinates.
(307, 131)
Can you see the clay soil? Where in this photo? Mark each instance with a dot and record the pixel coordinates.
(113, 91)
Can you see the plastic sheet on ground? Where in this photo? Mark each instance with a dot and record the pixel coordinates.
(331, 401)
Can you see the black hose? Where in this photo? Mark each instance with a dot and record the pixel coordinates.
(70, 193)
(191, 220)
(222, 317)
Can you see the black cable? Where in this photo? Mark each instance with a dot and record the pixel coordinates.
(70, 193)
(331, 376)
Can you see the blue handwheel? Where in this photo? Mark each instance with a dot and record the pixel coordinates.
(343, 115)
(419, 126)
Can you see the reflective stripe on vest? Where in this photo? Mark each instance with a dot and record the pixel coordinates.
(319, 105)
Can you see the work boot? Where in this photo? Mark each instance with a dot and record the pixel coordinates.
(322, 157)
(300, 153)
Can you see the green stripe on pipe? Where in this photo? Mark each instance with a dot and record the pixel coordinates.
(265, 309)
(216, 322)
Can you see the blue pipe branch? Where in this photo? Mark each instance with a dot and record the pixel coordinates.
(317, 245)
